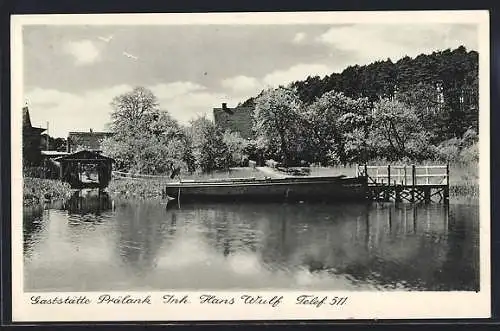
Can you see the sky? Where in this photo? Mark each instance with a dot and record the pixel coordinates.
(72, 73)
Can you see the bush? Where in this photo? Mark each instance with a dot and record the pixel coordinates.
(36, 190)
(236, 148)
(138, 189)
(209, 148)
(470, 154)
(449, 150)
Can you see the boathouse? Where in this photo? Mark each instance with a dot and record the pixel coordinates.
(86, 169)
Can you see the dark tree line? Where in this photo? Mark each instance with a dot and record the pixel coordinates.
(448, 79)
(422, 108)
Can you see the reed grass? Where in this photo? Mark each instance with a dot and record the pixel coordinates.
(137, 188)
(36, 190)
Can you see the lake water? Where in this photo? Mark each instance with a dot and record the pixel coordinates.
(93, 244)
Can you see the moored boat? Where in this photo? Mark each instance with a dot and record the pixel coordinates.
(338, 188)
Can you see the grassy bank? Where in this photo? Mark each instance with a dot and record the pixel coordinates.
(36, 190)
(464, 184)
(137, 189)
(464, 181)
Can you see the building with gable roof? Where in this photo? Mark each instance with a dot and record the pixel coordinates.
(32, 140)
(238, 119)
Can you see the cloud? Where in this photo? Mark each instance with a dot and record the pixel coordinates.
(192, 105)
(245, 86)
(299, 37)
(84, 51)
(369, 43)
(187, 100)
(296, 72)
(172, 90)
(72, 112)
(92, 108)
(242, 84)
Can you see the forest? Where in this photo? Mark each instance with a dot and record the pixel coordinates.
(415, 110)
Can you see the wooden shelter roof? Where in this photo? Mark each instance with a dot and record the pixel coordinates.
(85, 155)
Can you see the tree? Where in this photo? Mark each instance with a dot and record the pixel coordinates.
(132, 107)
(397, 131)
(277, 119)
(146, 139)
(209, 149)
(237, 148)
(356, 125)
(428, 103)
(329, 121)
(325, 137)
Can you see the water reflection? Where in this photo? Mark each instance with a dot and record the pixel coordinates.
(142, 245)
(32, 226)
(88, 202)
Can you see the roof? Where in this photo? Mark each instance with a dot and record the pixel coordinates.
(27, 121)
(54, 153)
(85, 155)
(238, 119)
(89, 133)
(233, 110)
(88, 140)
(26, 117)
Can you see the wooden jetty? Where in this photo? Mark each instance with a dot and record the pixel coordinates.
(402, 183)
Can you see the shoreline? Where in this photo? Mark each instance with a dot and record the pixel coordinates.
(39, 191)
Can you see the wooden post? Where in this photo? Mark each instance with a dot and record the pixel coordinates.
(446, 218)
(366, 170)
(415, 219)
(427, 175)
(447, 174)
(413, 180)
(357, 170)
(390, 220)
(405, 173)
(447, 188)
(389, 174)
(179, 197)
(388, 188)
(398, 189)
(427, 194)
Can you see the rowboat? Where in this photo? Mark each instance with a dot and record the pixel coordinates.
(334, 188)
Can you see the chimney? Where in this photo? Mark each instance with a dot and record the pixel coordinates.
(91, 130)
(224, 106)
(68, 145)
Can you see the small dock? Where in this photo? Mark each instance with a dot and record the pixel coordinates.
(403, 183)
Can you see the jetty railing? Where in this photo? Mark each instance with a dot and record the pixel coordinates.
(423, 183)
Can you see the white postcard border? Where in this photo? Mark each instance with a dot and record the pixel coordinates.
(360, 305)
